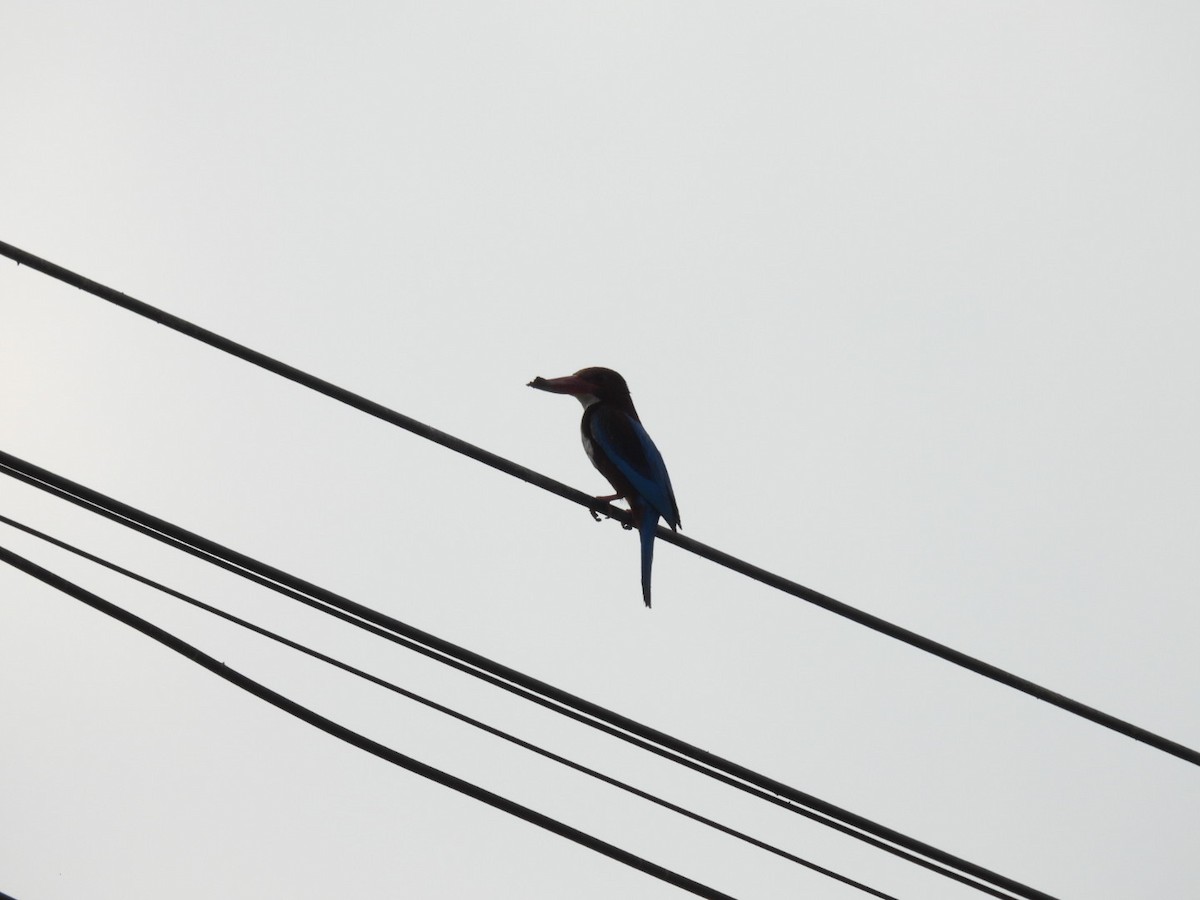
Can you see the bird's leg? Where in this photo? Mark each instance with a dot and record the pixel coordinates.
(607, 498)
(632, 514)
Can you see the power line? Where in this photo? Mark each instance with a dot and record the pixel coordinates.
(531, 696)
(486, 457)
(552, 697)
(445, 710)
(354, 738)
(516, 689)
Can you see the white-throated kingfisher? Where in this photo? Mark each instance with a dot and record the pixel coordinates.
(620, 448)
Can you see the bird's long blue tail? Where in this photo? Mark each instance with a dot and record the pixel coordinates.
(646, 528)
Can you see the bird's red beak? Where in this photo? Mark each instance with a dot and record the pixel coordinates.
(568, 384)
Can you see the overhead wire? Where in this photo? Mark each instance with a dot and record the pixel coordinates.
(354, 738)
(443, 709)
(554, 698)
(378, 410)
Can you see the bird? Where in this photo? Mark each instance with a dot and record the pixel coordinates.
(622, 451)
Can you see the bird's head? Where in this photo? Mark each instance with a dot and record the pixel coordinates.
(592, 385)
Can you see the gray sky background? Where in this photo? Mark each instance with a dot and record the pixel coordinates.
(906, 295)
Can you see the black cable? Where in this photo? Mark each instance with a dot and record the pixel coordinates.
(370, 407)
(445, 710)
(522, 692)
(668, 746)
(358, 740)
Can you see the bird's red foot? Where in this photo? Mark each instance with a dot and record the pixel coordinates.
(607, 498)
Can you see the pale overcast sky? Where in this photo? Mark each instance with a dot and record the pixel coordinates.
(906, 295)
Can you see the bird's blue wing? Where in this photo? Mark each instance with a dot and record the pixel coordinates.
(625, 442)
